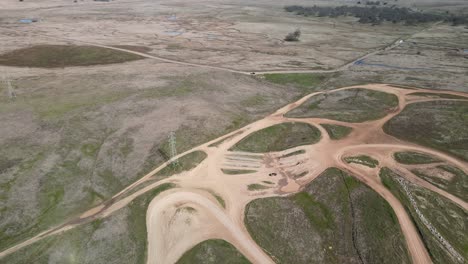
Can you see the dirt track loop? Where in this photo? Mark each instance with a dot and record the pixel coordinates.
(180, 218)
(214, 220)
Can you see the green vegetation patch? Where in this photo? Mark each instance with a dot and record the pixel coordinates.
(447, 218)
(409, 157)
(185, 163)
(54, 56)
(6, 163)
(363, 160)
(219, 142)
(213, 251)
(90, 149)
(120, 238)
(337, 131)
(316, 212)
(254, 101)
(176, 88)
(439, 95)
(256, 187)
(336, 219)
(351, 105)
(302, 174)
(234, 172)
(218, 197)
(51, 200)
(446, 177)
(300, 80)
(294, 153)
(71, 104)
(442, 125)
(279, 137)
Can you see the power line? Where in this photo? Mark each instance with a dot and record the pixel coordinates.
(173, 149)
(10, 90)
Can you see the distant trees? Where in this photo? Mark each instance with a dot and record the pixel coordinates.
(375, 15)
(373, 3)
(458, 20)
(293, 36)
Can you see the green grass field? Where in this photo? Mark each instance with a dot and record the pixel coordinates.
(279, 137)
(442, 125)
(294, 153)
(363, 160)
(234, 172)
(256, 187)
(353, 105)
(56, 56)
(337, 132)
(409, 157)
(300, 80)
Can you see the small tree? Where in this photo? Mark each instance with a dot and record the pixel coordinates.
(293, 36)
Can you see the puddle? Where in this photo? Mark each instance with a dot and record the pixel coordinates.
(173, 33)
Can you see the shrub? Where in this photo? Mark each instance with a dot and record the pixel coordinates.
(293, 36)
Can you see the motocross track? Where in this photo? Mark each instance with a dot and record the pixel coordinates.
(182, 217)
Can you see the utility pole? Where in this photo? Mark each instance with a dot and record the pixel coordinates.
(172, 146)
(10, 91)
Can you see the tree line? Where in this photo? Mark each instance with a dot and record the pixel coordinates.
(376, 15)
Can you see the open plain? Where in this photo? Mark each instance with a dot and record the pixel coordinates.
(136, 131)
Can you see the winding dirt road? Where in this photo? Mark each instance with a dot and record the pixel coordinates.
(391, 46)
(180, 218)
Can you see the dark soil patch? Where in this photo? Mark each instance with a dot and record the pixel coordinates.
(56, 56)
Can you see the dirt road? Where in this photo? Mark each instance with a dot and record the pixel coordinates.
(391, 46)
(159, 240)
(193, 212)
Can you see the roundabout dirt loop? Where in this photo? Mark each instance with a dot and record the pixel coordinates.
(169, 237)
(180, 218)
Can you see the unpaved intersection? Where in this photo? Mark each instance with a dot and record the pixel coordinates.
(202, 215)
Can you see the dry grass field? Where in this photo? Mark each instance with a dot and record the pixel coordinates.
(90, 93)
